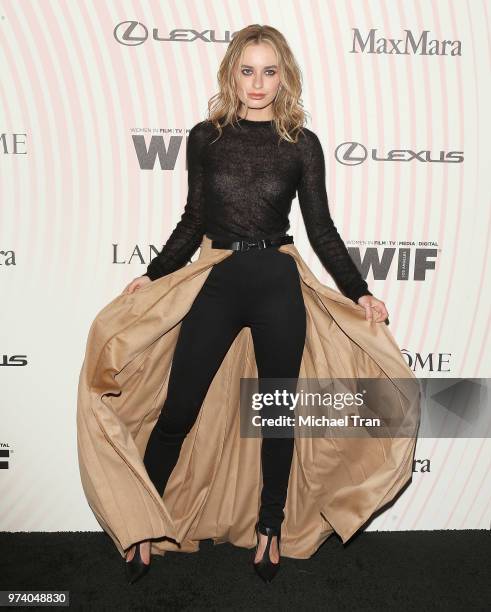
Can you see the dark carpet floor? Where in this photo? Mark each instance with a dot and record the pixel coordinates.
(417, 570)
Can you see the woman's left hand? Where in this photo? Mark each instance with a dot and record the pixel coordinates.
(374, 309)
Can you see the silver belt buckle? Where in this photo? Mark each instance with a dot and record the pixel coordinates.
(257, 244)
(246, 245)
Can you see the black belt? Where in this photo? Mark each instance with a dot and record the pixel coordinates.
(245, 245)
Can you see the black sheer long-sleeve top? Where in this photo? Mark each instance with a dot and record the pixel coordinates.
(241, 187)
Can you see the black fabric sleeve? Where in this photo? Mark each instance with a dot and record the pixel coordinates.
(188, 233)
(321, 231)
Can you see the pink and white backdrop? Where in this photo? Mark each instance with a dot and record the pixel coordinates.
(96, 100)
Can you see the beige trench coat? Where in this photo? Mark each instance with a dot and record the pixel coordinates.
(214, 490)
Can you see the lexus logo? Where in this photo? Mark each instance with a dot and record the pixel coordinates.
(132, 33)
(351, 153)
(354, 153)
(125, 33)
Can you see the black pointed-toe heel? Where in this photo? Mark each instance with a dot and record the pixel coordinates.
(136, 568)
(265, 568)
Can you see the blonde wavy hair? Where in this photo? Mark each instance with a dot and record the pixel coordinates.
(288, 113)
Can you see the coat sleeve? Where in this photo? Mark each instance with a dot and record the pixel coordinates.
(321, 231)
(188, 233)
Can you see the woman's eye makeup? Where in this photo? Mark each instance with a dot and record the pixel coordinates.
(247, 72)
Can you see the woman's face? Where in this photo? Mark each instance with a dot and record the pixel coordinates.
(257, 77)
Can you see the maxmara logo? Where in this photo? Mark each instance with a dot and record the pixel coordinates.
(422, 466)
(409, 45)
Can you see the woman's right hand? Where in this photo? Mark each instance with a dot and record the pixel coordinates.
(137, 283)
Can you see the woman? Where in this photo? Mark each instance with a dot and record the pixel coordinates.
(248, 305)
(241, 188)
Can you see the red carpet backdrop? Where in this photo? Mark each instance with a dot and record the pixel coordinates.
(96, 101)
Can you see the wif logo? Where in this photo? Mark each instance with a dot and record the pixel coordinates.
(408, 263)
(156, 149)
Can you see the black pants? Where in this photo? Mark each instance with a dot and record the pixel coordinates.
(259, 288)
